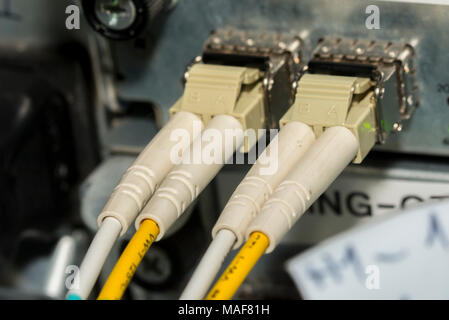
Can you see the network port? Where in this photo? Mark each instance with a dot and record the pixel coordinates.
(277, 55)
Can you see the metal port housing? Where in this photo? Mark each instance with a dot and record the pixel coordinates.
(278, 55)
(388, 64)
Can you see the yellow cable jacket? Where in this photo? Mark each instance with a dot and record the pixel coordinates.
(126, 266)
(240, 267)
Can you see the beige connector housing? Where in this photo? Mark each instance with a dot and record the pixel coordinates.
(213, 90)
(324, 101)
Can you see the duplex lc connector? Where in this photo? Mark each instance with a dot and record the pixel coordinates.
(341, 112)
(354, 95)
(325, 101)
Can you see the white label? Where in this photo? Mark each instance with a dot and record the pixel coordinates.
(355, 198)
(402, 256)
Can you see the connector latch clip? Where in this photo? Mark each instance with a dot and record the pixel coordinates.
(324, 101)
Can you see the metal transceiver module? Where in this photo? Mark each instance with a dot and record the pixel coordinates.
(388, 64)
(278, 55)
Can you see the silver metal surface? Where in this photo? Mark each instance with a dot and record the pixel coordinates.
(66, 253)
(48, 274)
(155, 74)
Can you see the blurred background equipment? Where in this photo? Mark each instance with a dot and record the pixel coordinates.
(78, 106)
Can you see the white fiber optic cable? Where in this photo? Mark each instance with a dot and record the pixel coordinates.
(284, 151)
(209, 266)
(224, 135)
(141, 180)
(95, 258)
(133, 191)
(312, 175)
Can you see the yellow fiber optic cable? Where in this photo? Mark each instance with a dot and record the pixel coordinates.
(130, 259)
(240, 267)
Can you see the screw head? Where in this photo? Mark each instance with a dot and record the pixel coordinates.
(116, 14)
